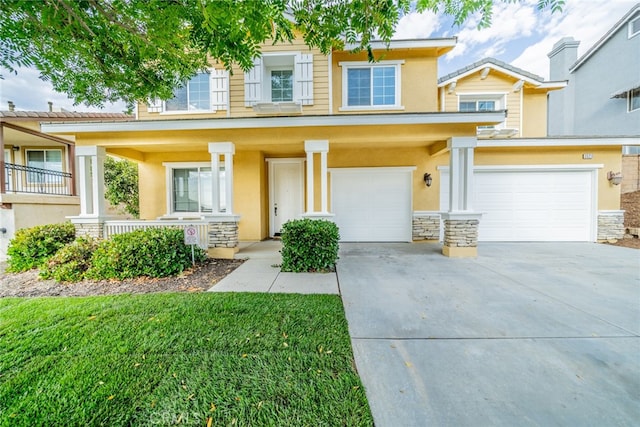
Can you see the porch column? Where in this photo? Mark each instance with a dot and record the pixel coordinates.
(91, 178)
(461, 222)
(217, 150)
(313, 147)
(223, 238)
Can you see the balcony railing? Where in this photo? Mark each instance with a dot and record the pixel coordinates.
(27, 179)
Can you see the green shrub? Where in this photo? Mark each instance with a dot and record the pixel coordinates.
(32, 246)
(71, 262)
(154, 252)
(309, 245)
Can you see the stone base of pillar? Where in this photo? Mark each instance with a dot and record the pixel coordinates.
(460, 234)
(223, 239)
(610, 226)
(88, 226)
(426, 227)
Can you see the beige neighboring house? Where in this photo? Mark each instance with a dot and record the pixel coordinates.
(38, 183)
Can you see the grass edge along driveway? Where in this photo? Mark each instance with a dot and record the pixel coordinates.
(189, 359)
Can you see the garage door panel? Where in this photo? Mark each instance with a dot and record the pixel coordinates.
(531, 205)
(372, 204)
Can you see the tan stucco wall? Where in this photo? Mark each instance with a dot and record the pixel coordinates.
(630, 173)
(534, 113)
(419, 75)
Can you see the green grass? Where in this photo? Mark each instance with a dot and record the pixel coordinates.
(237, 359)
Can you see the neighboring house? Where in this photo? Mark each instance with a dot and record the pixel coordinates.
(602, 97)
(334, 136)
(37, 181)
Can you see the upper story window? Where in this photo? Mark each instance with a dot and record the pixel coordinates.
(634, 27)
(43, 159)
(634, 99)
(281, 85)
(195, 95)
(482, 102)
(371, 86)
(204, 93)
(279, 82)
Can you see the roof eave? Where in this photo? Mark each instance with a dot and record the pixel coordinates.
(479, 118)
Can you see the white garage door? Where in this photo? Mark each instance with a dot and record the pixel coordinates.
(531, 205)
(372, 204)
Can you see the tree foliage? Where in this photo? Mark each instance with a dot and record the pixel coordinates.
(121, 182)
(109, 50)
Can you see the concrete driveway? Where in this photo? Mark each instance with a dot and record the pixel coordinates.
(526, 334)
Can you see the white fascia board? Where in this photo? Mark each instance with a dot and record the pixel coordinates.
(277, 122)
(559, 142)
(493, 67)
(553, 85)
(407, 44)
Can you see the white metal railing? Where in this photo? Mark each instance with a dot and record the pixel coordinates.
(124, 226)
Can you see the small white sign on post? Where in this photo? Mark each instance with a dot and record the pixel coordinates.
(190, 235)
(191, 238)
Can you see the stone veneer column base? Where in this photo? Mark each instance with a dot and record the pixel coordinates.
(426, 226)
(610, 226)
(223, 236)
(460, 234)
(88, 226)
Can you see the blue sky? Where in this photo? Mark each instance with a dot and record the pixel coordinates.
(520, 35)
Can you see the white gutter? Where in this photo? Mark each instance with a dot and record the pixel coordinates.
(407, 44)
(480, 118)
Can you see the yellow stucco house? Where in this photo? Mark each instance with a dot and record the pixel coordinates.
(383, 149)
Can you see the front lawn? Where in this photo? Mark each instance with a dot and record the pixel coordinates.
(189, 359)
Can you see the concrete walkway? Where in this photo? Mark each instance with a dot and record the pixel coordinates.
(261, 273)
(525, 334)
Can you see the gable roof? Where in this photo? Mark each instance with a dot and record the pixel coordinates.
(613, 30)
(503, 67)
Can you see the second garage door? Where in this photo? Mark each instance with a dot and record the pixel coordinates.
(372, 204)
(531, 205)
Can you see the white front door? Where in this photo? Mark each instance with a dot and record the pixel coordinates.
(286, 192)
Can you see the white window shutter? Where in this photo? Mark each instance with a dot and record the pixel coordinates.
(219, 89)
(304, 78)
(154, 105)
(253, 84)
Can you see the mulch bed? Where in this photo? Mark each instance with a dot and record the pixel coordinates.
(198, 279)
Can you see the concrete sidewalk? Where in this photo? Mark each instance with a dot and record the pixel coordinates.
(261, 273)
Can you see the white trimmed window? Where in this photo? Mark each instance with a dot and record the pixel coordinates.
(190, 190)
(634, 27)
(371, 86)
(634, 99)
(482, 102)
(43, 159)
(204, 93)
(279, 78)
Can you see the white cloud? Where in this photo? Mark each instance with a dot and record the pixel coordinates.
(417, 25)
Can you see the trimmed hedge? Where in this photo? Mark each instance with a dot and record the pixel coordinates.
(33, 246)
(309, 245)
(154, 252)
(71, 262)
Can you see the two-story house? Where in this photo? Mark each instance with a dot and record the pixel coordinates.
(602, 97)
(37, 179)
(370, 146)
